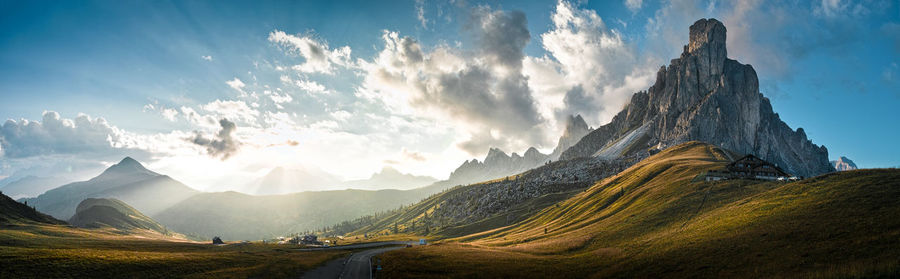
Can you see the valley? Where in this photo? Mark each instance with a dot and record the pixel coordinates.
(626, 139)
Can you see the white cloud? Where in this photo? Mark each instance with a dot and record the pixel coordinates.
(319, 57)
(590, 70)
(54, 135)
(206, 57)
(477, 92)
(236, 110)
(634, 5)
(236, 84)
(420, 13)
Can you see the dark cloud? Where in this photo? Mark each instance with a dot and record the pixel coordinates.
(223, 144)
(501, 35)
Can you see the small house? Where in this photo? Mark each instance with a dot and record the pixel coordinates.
(748, 167)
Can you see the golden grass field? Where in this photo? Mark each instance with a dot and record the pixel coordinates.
(654, 220)
(30, 250)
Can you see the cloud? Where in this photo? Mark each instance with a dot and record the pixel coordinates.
(590, 69)
(55, 135)
(420, 13)
(634, 5)
(167, 113)
(238, 110)
(236, 84)
(223, 144)
(412, 155)
(319, 57)
(206, 57)
(482, 92)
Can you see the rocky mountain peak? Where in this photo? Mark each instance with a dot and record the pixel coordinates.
(844, 164)
(495, 154)
(127, 167)
(707, 97)
(576, 128)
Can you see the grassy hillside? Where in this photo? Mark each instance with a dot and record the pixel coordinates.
(113, 213)
(654, 220)
(12, 212)
(53, 251)
(478, 207)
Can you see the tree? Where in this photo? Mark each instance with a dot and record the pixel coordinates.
(217, 240)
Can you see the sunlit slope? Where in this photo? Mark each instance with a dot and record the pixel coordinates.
(101, 213)
(30, 250)
(654, 220)
(657, 192)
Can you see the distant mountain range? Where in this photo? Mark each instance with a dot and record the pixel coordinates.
(113, 213)
(390, 178)
(127, 181)
(291, 180)
(32, 186)
(843, 164)
(497, 164)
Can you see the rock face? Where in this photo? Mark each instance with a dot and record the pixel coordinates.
(705, 96)
(497, 164)
(576, 129)
(843, 164)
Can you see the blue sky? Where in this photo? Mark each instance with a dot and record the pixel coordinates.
(830, 67)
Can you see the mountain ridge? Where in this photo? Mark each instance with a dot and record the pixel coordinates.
(128, 180)
(704, 96)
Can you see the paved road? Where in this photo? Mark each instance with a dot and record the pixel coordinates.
(359, 245)
(357, 265)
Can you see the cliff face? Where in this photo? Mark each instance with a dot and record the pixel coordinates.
(705, 96)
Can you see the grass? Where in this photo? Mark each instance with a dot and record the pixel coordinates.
(29, 250)
(653, 221)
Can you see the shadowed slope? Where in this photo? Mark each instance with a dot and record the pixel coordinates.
(12, 211)
(99, 213)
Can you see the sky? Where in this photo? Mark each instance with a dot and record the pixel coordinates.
(216, 93)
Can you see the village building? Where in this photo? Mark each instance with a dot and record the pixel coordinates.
(749, 167)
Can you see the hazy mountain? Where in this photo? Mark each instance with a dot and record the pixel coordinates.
(237, 216)
(705, 96)
(113, 213)
(32, 186)
(497, 164)
(843, 164)
(128, 181)
(292, 180)
(12, 211)
(390, 178)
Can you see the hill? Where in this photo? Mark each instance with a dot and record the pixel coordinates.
(127, 181)
(656, 219)
(113, 213)
(237, 216)
(12, 212)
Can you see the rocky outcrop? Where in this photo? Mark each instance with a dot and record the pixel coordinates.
(843, 164)
(497, 164)
(576, 129)
(705, 96)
